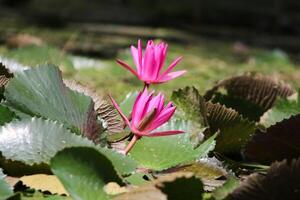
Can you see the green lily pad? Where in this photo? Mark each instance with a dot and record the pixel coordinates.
(5, 115)
(138, 179)
(84, 172)
(192, 107)
(124, 165)
(33, 55)
(5, 190)
(35, 141)
(160, 153)
(127, 103)
(283, 109)
(41, 92)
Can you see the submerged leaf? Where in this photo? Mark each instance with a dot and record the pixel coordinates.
(205, 169)
(175, 186)
(84, 172)
(280, 182)
(19, 168)
(145, 192)
(280, 141)
(181, 186)
(44, 182)
(41, 92)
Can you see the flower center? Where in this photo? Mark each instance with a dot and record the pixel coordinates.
(147, 120)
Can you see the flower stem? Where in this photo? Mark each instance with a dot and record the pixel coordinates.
(146, 85)
(131, 144)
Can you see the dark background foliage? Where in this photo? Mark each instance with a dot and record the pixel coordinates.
(265, 15)
(274, 16)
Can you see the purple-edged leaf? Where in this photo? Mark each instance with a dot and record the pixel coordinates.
(234, 130)
(280, 141)
(249, 94)
(280, 182)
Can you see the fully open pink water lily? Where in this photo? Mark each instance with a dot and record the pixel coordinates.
(149, 65)
(148, 113)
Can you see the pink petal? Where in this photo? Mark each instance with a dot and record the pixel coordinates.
(140, 106)
(165, 50)
(155, 103)
(164, 133)
(162, 118)
(146, 105)
(150, 43)
(161, 104)
(120, 111)
(122, 63)
(169, 105)
(140, 51)
(163, 57)
(158, 55)
(135, 114)
(135, 56)
(172, 65)
(149, 64)
(171, 76)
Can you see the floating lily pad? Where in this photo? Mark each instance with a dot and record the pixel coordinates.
(160, 153)
(283, 109)
(192, 107)
(36, 141)
(84, 172)
(5, 190)
(5, 115)
(41, 92)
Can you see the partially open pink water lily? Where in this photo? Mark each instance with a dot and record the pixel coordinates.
(149, 65)
(148, 113)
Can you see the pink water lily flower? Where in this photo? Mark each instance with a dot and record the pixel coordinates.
(149, 66)
(148, 113)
